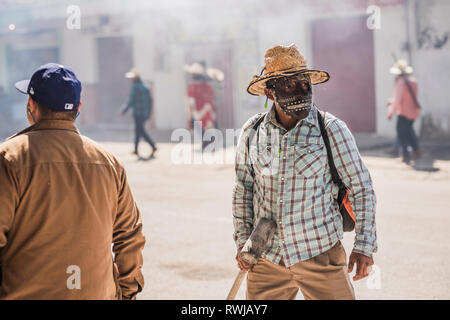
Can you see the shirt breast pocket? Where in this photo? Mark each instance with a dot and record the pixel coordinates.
(310, 160)
(262, 160)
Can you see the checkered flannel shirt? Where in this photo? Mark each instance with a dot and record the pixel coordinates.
(284, 175)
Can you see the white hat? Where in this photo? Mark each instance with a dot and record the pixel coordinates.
(401, 66)
(133, 73)
(195, 68)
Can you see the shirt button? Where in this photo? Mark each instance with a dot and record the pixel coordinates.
(281, 200)
(282, 178)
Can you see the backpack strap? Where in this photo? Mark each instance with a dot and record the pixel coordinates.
(334, 174)
(411, 91)
(254, 130)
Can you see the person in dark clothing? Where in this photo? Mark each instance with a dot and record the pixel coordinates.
(140, 101)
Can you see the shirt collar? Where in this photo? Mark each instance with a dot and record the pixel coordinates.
(49, 125)
(310, 120)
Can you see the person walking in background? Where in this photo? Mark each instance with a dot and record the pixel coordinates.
(404, 103)
(140, 100)
(200, 100)
(64, 201)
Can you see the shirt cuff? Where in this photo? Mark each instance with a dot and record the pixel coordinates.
(240, 240)
(368, 253)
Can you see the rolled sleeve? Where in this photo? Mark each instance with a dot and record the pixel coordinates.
(356, 178)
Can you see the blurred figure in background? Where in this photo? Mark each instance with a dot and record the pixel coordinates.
(140, 101)
(404, 103)
(200, 99)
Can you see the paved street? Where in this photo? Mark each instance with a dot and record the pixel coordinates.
(190, 251)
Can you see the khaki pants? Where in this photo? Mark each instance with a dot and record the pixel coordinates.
(322, 277)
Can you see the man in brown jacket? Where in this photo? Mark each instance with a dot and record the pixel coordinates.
(64, 202)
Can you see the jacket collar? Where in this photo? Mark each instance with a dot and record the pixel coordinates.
(49, 125)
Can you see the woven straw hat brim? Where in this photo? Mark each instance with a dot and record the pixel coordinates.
(257, 85)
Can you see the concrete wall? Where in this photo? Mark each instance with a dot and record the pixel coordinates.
(251, 33)
(169, 86)
(387, 40)
(80, 52)
(3, 64)
(432, 64)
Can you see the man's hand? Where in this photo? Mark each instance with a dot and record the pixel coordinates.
(363, 265)
(244, 266)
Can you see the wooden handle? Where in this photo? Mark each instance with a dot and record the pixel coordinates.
(236, 285)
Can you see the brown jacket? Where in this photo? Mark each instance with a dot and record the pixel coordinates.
(67, 218)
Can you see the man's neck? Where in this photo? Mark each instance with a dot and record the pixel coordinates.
(286, 121)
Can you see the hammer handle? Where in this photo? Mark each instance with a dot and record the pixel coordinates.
(236, 285)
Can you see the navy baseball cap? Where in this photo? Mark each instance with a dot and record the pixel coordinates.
(53, 86)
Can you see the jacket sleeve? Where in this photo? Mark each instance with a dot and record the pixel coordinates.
(356, 178)
(150, 102)
(9, 199)
(128, 243)
(243, 192)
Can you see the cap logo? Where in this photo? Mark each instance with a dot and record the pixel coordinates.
(68, 106)
(31, 91)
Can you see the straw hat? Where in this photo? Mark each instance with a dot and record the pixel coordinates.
(281, 61)
(401, 66)
(195, 68)
(215, 74)
(133, 73)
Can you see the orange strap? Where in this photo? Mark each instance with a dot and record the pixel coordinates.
(346, 203)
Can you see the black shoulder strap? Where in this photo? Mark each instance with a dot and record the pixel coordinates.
(254, 129)
(334, 174)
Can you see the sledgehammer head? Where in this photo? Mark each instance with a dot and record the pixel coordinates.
(255, 245)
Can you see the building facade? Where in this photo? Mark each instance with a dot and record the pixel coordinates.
(354, 41)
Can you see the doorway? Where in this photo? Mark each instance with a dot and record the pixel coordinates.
(344, 48)
(219, 56)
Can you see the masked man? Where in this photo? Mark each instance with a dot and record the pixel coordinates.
(282, 173)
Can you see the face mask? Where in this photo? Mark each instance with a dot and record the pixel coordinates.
(293, 94)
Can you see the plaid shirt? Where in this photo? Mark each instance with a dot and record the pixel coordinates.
(284, 175)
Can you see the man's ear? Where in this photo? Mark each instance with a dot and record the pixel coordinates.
(269, 94)
(31, 105)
